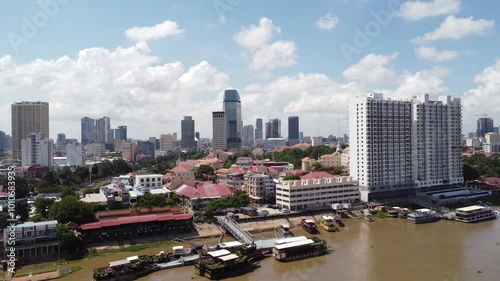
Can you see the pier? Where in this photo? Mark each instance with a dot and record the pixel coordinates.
(235, 229)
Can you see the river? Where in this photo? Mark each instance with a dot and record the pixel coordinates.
(387, 249)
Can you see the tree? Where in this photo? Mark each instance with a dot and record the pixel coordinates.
(87, 190)
(174, 200)
(4, 216)
(203, 172)
(70, 209)
(337, 171)
(291, 177)
(66, 191)
(42, 206)
(470, 173)
(37, 218)
(228, 164)
(68, 241)
(317, 166)
(150, 201)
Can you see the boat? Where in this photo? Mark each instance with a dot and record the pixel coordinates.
(127, 269)
(403, 213)
(284, 228)
(338, 221)
(309, 226)
(289, 240)
(422, 216)
(223, 264)
(394, 212)
(179, 251)
(328, 223)
(300, 249)
(237, 247)
(368, 216)
(475, 213)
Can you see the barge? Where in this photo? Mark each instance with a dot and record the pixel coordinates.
(223, 264)
(300, 249)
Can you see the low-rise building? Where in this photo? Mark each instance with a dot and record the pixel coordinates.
(492, 143)
(260, 188)
(148, 181)
(316, 190)
(182, 174)
(197, 197)
(331, 160)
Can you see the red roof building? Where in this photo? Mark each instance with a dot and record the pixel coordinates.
(207, 190)
(317, 175)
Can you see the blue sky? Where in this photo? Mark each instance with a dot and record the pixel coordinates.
(285, 58)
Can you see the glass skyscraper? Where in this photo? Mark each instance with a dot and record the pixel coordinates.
(232, 108)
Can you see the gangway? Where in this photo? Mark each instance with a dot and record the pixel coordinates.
(236, 230)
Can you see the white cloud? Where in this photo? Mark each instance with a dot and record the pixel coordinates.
(456, 28)
(416, 10)
(421, 82)
(484, 98)
(161, 30)
(256, 39)
(372, 69)
(127, 84)
(255, 36)
(327, 21)
(432, 54)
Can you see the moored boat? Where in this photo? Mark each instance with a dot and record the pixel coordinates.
(394, 212)
(403, 213)
(300, 249)
(475, 213)
(223, 264)
(309, 226)
(368, 216)
(422, 216)
(127, 269)
(328, 223)
(284, 228)
(338, 221)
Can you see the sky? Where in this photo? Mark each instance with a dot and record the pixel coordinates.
(146, 64)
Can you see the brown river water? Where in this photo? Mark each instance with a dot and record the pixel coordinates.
(387, 249)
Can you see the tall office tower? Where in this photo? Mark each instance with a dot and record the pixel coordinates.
(61, 138)
(121, 133)
(437, 146)
(102, 127)
(187, 133)
(484, 126)
(28, 117)
(293, 130)
(88, 130)
(197, 135)
(259, 132)
(380, 133)
(37, 150)
(168, 142)
(3, 141)
(232, 108)
(247, 135)
(273, 128)
(219, 139)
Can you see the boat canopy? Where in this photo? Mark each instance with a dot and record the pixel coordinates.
(219, 253)
(230, 244)
(294, 244)
(117, 263)
(177, 248)
(327, 218)
(308, 221)
(289, 240)
(229, 257)
(133, 258)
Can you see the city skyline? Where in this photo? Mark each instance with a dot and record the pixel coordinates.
(182, 56)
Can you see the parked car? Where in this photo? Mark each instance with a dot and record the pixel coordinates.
(285, 210)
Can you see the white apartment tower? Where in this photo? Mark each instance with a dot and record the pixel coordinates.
(37, 150)
(380, 146)
(437, 153)
(168, 142)
(397, 146)
(219, 140)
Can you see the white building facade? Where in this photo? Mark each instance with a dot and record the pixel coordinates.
(314, 194)
(74, 154)
(492, 143)
(148, 181)
(36, 150)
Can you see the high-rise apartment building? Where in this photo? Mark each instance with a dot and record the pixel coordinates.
(259, 131)
(37, 150)
(3, 140)
(187, 133)
(168, 142)
(121, 133)
(232, 108)
(129, 151)
(293, 130)
(247, 135)
(88, 130)
(219, 139)
(27, 118)
(437, 136)
(484, 126)
(396, 146)
(102, 130)
(273, 128)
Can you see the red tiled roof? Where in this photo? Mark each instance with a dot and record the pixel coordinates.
(134, 220)
(272, 170)
(317, 175)
(296, 172)
(206, 190)
(181, 168)
(492, 181)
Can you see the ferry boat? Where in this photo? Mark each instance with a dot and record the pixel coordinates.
(328, 223)
(338, 221)
(475, 213)
(422, 216)
(309, 226)
(289, 240)
(300, 249)
(394, 212)
(127, 269)
(284, 228)
(403, 213)
(222, 264)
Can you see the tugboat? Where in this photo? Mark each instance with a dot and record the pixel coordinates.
(127, 269)
(309, 226)
(222, 264)
(328, 223)
(394, 212)
(422, 216)
(300, 249)
(338, 221)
